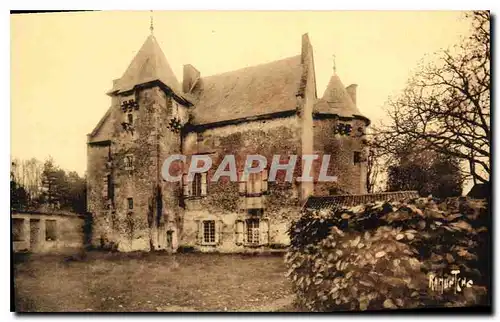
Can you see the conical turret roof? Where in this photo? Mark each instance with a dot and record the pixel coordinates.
(336, 100)
(148, 65)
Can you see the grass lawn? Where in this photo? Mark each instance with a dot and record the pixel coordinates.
(148, 282)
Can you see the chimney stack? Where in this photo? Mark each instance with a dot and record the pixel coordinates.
(190, 76)
(351, 90)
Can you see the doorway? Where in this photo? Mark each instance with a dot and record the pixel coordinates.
(170, 235)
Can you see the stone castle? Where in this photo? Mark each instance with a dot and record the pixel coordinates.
(266, 109)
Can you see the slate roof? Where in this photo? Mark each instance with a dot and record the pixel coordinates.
(336, 100)
(100, 123)
(339, 201)
(243, 93)
(148, 65)
(251, 91)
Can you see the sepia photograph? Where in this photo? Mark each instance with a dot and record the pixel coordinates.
(250, 161)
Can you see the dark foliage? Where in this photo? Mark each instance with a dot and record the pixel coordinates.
(380, 256)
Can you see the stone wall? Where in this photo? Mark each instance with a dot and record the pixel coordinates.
(96, 169)
(351, 176)
(30, 232)
(223, 202)
(148, 143)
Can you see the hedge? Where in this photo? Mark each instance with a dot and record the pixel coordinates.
(380, 255)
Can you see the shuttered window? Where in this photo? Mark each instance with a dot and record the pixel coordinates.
(196, 188)
(253, 190)
(209, 232)
(255, 184)
(252, 232)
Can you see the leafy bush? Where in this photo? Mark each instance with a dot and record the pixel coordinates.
(379, 256)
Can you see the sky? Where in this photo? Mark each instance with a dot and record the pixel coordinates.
(62, 64)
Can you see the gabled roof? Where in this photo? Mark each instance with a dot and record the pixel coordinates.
(336, 100)
(251, 91)
(340, 201)
(100, 123)
(148, 65)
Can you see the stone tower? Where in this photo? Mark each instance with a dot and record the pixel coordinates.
(340, 130)
(133, 208)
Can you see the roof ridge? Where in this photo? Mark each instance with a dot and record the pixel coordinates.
(366, 194)
(370, 194)
(251, 66)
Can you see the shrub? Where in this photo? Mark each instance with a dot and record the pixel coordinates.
(184, 249)
(380, 256)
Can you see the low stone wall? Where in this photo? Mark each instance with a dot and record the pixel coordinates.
(47, 232)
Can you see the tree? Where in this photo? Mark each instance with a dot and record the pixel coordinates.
(54, 184)
(375, 162)
(447, 104)
(48, 182)
(32, 172)
(77, 193)
(18, 195)
(34, 184)
(429, 172)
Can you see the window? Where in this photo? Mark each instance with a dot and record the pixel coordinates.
(130, 203)
(209, 231)
(196, 185)
(253, 190)
(253, 231)
(129, 162)
(108, 193)
(130, 118)
(255, 185)
(343, 129)
(357, 157)
(18, 229)
(50, 230)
